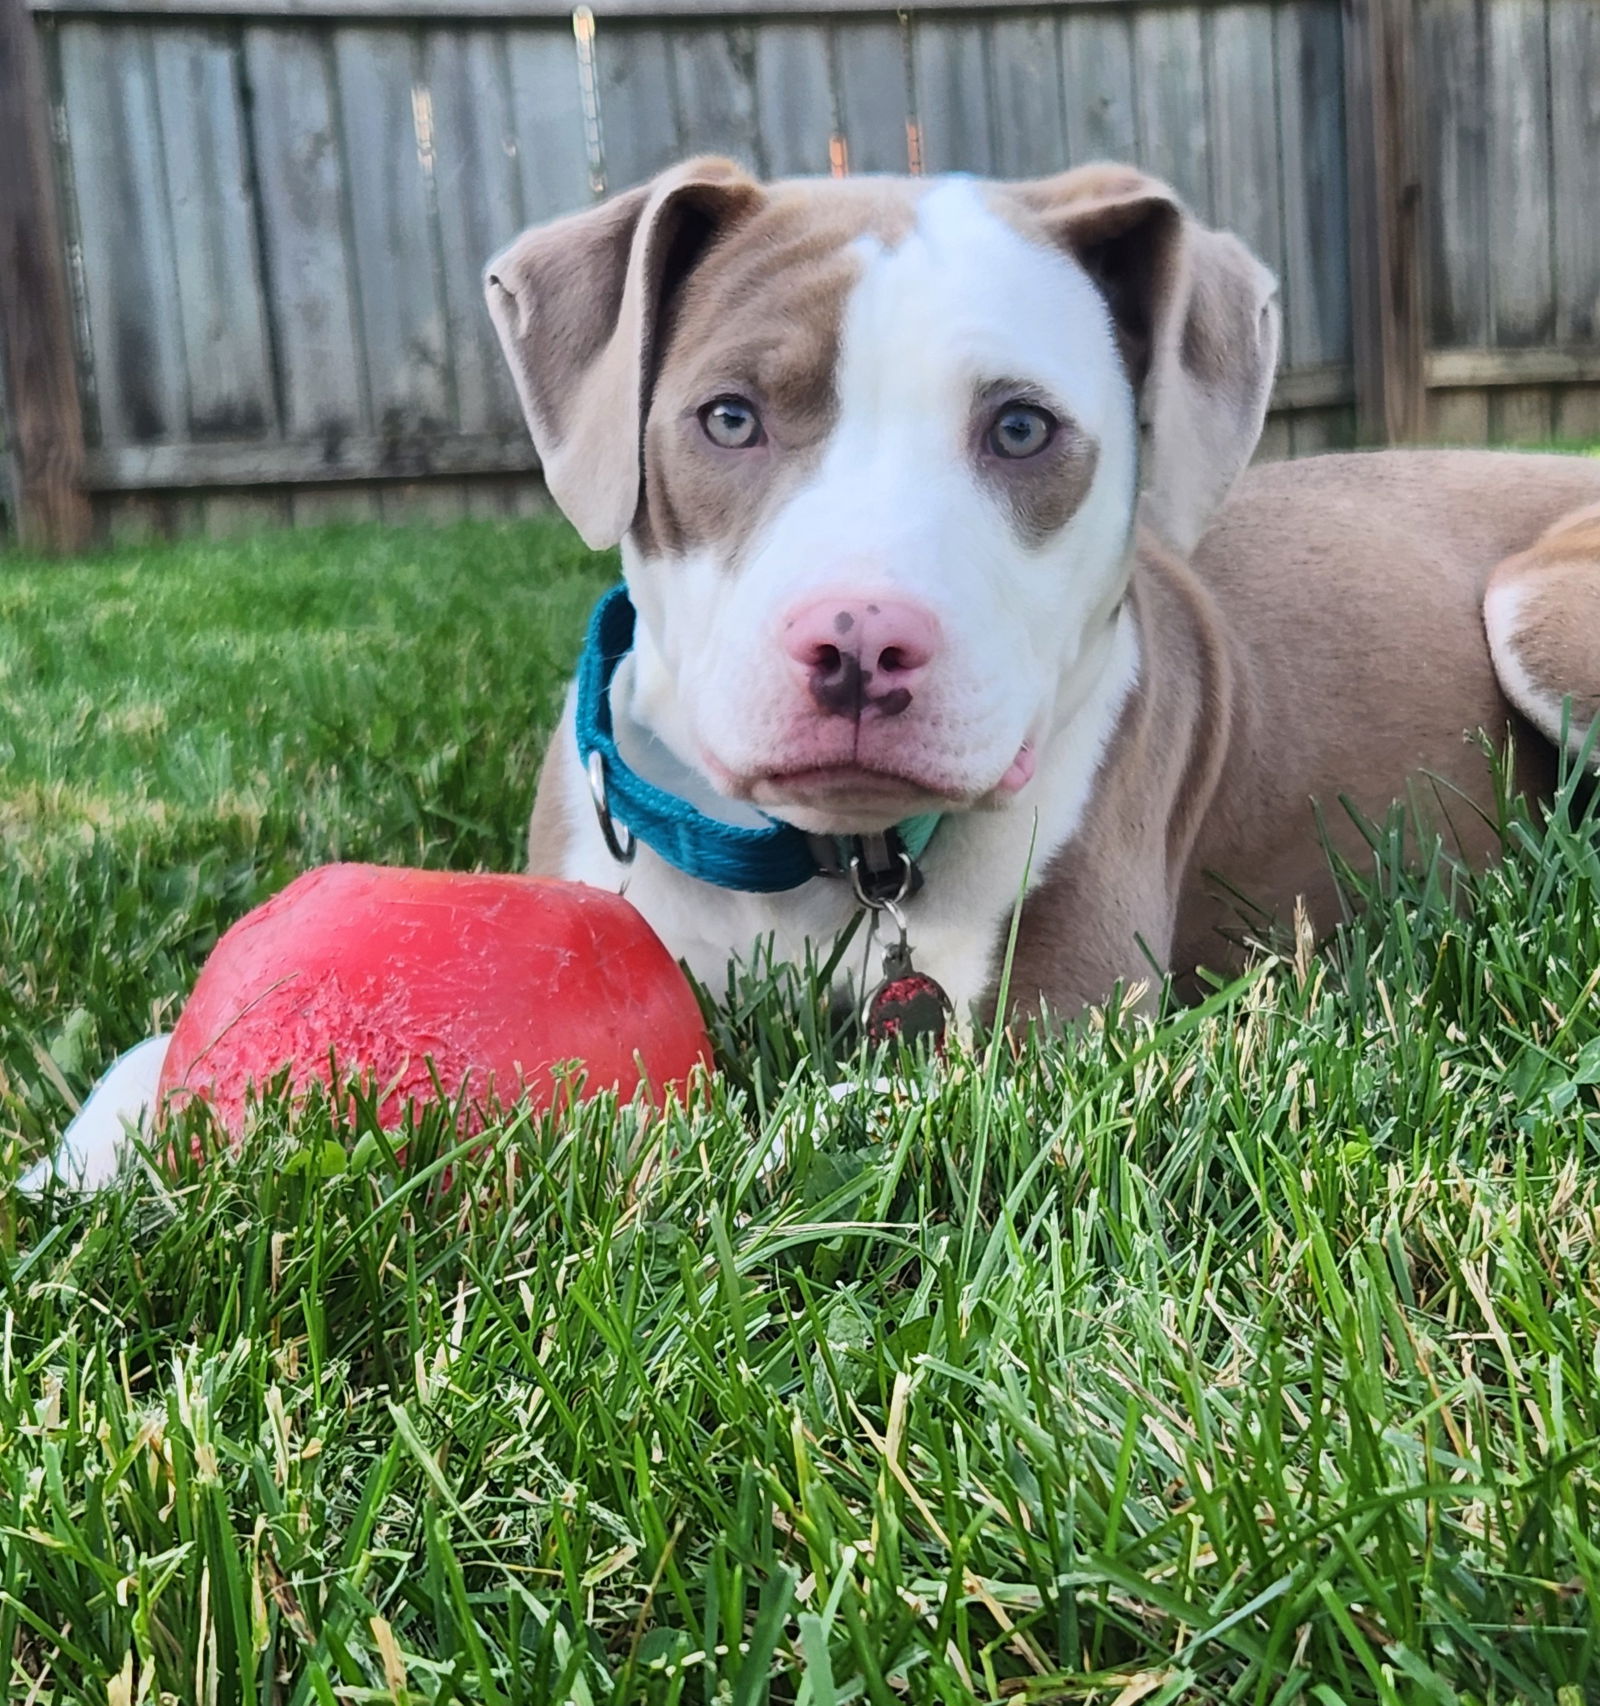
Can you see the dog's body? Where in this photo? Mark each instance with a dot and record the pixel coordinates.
(880, 532)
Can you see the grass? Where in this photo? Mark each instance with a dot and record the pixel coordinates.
(1250, 1357)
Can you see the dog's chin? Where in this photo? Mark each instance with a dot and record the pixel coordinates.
(847, 799)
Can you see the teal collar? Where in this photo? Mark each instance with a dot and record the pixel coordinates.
(755, 860)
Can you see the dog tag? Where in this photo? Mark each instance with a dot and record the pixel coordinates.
(907, 1004)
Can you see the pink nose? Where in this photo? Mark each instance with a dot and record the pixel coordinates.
(861, 654)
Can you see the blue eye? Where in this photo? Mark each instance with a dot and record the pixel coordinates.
(1021, 430)
(731, 422)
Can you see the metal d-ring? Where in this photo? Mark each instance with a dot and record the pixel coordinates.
(621, 851)
(876, 902)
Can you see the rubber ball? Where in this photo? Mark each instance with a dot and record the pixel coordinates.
(419, 982)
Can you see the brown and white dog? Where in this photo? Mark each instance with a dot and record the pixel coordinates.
(920, 487)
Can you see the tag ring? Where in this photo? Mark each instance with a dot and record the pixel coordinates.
(876, 902)
(621, 851)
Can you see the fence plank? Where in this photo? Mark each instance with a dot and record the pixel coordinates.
(1521, 415)
(1383, 145)
(387, 126)
(1030, 121)
(1451, 62)
(1097, 86)
(1169, 48)
(1310, 56)
(44, 432)
(547, 122)
(301, 179)
(794, 98)
(1522, 293)
(479, 204)
(114, 142)
(638, 103)
(871, 94)
(950, 65)
(1576, 416)
(222, 301)
(715, 69)
(1575, 149)
(1243, 129)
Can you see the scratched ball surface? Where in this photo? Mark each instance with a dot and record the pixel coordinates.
(484, 981)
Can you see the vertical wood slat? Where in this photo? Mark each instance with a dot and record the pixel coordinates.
(221, 296)
(44, 422)
(300, 174)
(1098, 86)
(871, 94)
(950, 67)
(715, 74)
(478, 205)
(1169, 56)
(1310, 76)
(638, 103)
(1522, 295)
(125, 229)
(1030, 125)
(547, 123)
(794, 97)
(386, 125)
(1457, 191)
(1243, 131)
(1575, 153)
(1385, 220)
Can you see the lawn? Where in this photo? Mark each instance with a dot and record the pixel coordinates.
(1249, 1357)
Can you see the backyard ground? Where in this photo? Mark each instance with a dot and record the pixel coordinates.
(1248, 1358)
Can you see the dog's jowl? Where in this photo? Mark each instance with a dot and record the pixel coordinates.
(943, 588)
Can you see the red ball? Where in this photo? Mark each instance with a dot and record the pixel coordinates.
(487, 982)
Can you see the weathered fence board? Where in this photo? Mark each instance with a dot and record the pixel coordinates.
(1025, 83)
(221, 303)
(130, 285)
(387, 135)
(304, 225)
(547, 122)
(478, 202)
(1169, 54)
(279, 210)
(794, 96)
(1097, 77)
(870, 79)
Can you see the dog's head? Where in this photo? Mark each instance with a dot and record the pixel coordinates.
(873, 450)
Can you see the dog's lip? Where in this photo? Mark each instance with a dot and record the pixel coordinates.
(825, 785)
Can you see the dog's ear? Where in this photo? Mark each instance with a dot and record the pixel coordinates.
(1196, 316)
(578, 304)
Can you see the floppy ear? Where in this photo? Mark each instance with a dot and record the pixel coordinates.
(578, 303)
(1196, 316)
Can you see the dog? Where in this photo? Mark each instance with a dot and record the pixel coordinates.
(941, 568)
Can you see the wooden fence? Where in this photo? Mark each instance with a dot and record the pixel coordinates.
(266, 219)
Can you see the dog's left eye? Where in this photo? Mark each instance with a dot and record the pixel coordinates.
(1021, 430)
(731, 422)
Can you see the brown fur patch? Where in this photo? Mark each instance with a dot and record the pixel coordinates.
(760, 318)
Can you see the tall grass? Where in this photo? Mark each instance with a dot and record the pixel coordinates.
(1249, 1356)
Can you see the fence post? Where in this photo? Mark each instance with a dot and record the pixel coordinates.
(1383, 129)
(46, 420)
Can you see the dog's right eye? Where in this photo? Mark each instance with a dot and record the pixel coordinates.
(731, 422)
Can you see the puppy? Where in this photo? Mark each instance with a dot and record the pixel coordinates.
(936, 597)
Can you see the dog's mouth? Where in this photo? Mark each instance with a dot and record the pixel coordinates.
(856, 798)
(848, 798)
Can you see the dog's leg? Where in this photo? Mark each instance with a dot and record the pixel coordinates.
(1542, 613)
